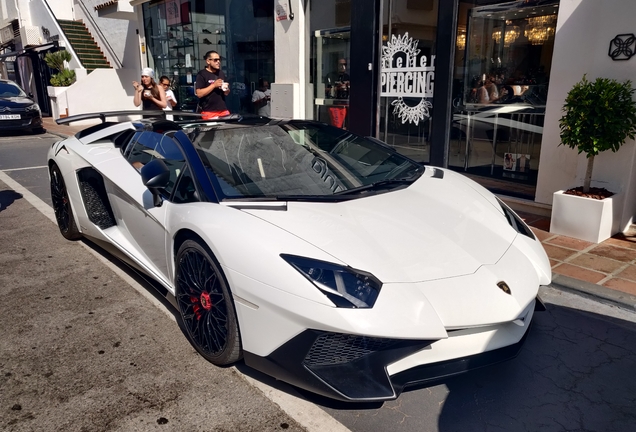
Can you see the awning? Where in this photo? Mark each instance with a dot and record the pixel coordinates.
(44, 47)
(10, 56)
(138, 2)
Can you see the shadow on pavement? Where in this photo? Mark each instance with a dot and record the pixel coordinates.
(575, 372)
(13, 133)
(7, 197)
(153, 287)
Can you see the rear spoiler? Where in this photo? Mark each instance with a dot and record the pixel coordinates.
(104, 115)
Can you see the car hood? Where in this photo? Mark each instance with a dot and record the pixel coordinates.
(15, 102)
(436, 228)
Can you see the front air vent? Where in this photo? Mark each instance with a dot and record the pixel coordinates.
(337, 348)
(95, 198)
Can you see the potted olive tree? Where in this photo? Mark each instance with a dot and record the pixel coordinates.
(598, 116)
(60, 81)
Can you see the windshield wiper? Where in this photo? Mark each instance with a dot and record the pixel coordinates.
(382, 184)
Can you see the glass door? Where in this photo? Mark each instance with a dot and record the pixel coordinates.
(332, 81)
(408, 75)
(502, 72)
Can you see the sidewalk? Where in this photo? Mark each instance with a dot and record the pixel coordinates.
(61, 130)
(604, 271)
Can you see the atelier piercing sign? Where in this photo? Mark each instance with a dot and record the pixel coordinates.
(404, 75)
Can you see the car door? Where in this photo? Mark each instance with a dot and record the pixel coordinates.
(141, 224)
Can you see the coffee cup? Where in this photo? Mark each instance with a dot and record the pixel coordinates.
(225, 86)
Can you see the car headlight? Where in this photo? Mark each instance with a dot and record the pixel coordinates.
(34, 107)
(515, 221)
(344, 286)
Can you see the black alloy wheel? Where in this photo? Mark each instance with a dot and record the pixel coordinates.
(62, 206)
(206, 306)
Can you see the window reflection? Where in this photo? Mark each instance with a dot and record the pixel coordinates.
(502, 72)
(408, 76)
(180, 32)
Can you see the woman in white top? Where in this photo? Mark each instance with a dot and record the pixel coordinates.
(170, 98)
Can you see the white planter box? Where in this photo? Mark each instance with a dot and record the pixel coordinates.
(59, 102)
(55, 91)
(585, 218)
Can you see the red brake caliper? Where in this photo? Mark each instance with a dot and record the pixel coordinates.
(206, 301)
(202, 302)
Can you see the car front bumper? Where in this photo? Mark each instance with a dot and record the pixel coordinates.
(27, 120)
(356, 368)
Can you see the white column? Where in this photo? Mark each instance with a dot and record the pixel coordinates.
(289, 88)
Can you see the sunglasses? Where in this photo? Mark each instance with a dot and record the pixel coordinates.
(165, 84)
(214, 59)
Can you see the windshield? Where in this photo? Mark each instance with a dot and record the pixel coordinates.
(299, 160)
(10, 90)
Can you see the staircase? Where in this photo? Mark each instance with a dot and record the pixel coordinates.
(84, 45)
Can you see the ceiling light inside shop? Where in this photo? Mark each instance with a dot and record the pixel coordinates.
(512, 32)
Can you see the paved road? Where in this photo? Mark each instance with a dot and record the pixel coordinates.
(82, 350)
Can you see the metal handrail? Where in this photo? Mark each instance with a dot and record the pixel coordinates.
(102, 37)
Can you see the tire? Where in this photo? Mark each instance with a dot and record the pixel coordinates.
(38, 131)
(206, 306)
(62, 206)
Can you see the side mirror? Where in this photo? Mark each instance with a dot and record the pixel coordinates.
(155, 175)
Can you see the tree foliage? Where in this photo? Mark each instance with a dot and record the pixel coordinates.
(55, 60)
(598, 116)
(63, 79)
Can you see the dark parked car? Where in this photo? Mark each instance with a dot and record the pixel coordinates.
(17, 110)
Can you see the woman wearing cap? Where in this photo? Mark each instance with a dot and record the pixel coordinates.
(148, 93)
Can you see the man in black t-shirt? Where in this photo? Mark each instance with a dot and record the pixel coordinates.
(211, 87)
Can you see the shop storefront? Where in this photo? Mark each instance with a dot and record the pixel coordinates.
(502, 73)
(485, 118)
(457, 83)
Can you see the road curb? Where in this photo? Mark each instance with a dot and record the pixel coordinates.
(594, 292)
(59, 134)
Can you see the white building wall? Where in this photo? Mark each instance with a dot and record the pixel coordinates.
(290, 53)
(62, 9)
(23, 12)
(101, 91)
(584, 31)
(120, 39)
(8, 11)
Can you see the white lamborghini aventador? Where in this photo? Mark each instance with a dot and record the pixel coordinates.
(322, 258)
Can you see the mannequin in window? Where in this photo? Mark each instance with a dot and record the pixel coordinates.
(337, 86)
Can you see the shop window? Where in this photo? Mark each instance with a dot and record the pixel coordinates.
(180, 32)
(420, 4)
(407, 79)
(343, 13)
(331, 79)
(263, 8)
(502, 73)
